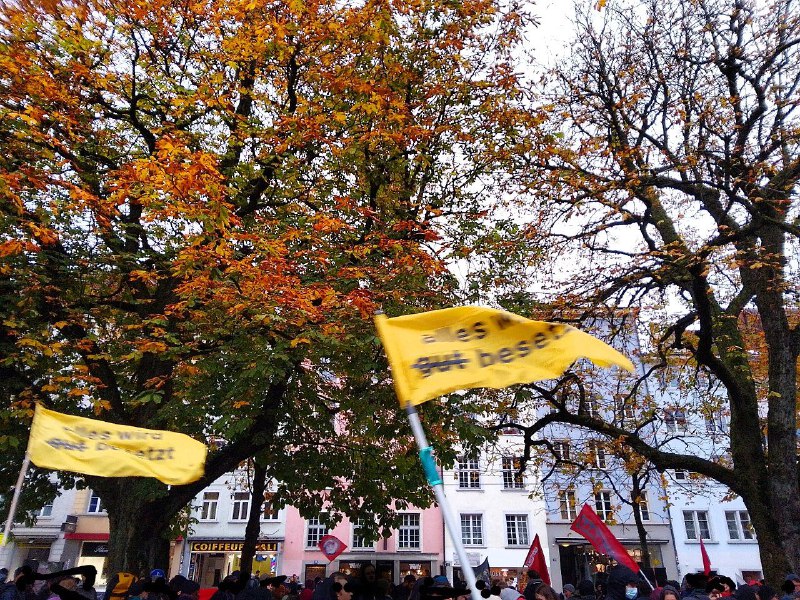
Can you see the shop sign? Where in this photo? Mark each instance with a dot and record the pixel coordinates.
(223, 546)
(94, 549)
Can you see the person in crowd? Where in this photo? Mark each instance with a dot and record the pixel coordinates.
(340, 591)
(534, 581)
(511, 593)
(277, 587)
(585, 590)
(545, 592)
(365, 588)
(308, 590)
(322, 591)
(567, 592)
(720, 586)
(622, 584)
(669, 592)
(403, 591)
(695, 586)
(745, 592)
(790, 586)
(382, 590)
(766, 592)
(260, 591)
(189, 590)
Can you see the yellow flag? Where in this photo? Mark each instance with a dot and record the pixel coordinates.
(68, 443)
(441, 351)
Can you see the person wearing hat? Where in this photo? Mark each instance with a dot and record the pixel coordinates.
(567, 591)
(695, 584)
(623, 583)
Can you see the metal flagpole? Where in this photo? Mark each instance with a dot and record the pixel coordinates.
(641, 572)
(15, 500)
(435, 481)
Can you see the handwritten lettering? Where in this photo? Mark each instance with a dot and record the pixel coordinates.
(428, 364)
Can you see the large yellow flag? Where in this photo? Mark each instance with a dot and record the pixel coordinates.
(68, 443)
(441, 351)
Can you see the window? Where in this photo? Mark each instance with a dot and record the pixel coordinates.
(675, 419)
(696, 522)
(566, 500)
(359, 540)
(602, 506)
(739, 527)
(472, 530)
(512, 478)
(644, 507)
(408, 536)
(680, 475)
(94, 504)
(517, 530)
(469, 475)
(315, 531)
(625, 409)
(591, 407)
(597, 454)
(269, 512)
(561, 449)
(241, 506)
(45, 511)
(208, 511)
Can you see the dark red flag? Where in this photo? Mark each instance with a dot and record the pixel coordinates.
(589, 525)
(536, 561)
(331, 546)
(706, 559)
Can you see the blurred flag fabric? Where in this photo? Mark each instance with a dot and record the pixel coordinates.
(68, 443)
(441, 351)
(590, 526)
(482, 572)
(535, 560)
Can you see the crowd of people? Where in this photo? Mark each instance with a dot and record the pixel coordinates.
(618, 583)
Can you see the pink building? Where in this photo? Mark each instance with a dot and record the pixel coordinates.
(416, 547)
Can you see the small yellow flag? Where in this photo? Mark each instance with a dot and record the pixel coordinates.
(441, 351)
(68, 443)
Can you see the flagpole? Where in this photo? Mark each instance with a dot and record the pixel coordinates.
(15, 500)
(435, 481)
(641, 572)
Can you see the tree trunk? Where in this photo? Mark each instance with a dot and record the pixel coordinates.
(138, 525)
(636, 492)
(253, 528)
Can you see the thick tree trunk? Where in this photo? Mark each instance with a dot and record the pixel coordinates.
(775, 561)
(253, 528)
(138, 525)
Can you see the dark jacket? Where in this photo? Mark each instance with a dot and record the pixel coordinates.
(619, 577)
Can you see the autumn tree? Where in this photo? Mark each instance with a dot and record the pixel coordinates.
(667, 166)
(203, 203)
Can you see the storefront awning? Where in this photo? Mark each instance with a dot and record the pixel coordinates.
(87, 537)
(624, 541)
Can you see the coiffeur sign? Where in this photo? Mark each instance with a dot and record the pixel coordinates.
(226, 546)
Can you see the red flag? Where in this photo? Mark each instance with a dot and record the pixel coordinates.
(331, 546)
(706, 559)
(589, 525)
(535, 560)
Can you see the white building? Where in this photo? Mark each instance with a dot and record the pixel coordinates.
(497, 508)
(213, 547)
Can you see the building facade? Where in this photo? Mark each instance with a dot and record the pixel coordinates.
(497, 509)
